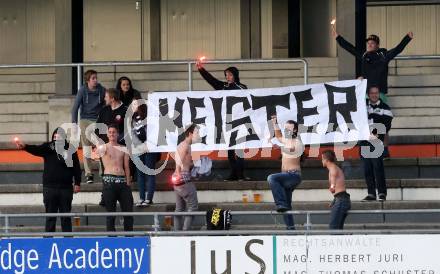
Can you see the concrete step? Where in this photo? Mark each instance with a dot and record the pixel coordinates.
(425, 122)
(414, 132)
(221, 192)
(23, 117)
(27, 88)
(416, 63)
(414, 101)
(425, 70)
(26, 78)
(30, 138)
(24, 108)
(23, 128)
(426, 111)
(395, 168)
(414, 80)
(37, 97)
(413, 91)
(22, 71)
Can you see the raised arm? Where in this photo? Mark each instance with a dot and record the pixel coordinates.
(214, 82)
(276, 129)
(38, 150)
(348, 47)
(400, 47)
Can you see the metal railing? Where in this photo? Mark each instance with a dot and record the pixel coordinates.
(188, 63)
(416, 57)
(157, 227)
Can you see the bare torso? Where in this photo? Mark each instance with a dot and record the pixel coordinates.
(113, 160)
(183, 157)
(291, 154)
(336, 179)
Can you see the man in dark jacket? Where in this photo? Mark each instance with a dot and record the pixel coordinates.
(375, 60)
(378, 113)
(61, 177)
(113, 114)
(232, 77)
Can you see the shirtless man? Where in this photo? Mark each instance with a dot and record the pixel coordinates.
(185, 190)
(116, 178)
(341, 202)
(282, 184)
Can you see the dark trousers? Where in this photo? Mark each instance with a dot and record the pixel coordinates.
(374, 172)
(118, 192)
(58, 200)
(339, 209)
(236, 162)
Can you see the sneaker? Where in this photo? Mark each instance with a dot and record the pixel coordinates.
(89, 179)
(148, 202)
(382, 197)
(231, 178)
(369, 198)
(282, 209)
(140, 203)
(244, 178)
(101, 203)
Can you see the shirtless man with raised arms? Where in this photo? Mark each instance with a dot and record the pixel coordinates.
(282, 184)
(116, 178)
(341, 202)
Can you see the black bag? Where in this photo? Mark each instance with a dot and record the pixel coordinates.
(218, 219)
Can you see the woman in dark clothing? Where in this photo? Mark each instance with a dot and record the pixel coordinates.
(126, 91)
(149, 159)
(236, 162)
(61, 177)
(126, 95)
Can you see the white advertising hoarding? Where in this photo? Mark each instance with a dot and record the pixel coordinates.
(341, 254)
(204, 255)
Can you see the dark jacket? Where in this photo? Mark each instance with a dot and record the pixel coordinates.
(131, 94)
(380, 113)
(220, 85)
(128, 97)
(375, 64)
(56, 173)
(109, 116)
(89, 102)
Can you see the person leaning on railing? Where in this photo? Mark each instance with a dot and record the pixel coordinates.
(60, 179)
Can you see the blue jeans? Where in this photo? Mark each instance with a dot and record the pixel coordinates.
(340, 207)
(149, 160)
(282, 186)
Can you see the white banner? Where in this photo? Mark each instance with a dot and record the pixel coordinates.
(341, 254)
(358, 254)
(327, 113)
(204, 255)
